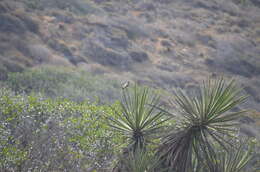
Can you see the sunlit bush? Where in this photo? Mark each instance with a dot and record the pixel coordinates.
(65, 82)
(53, 135)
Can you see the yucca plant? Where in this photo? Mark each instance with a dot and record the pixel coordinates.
(141, 161)
(138, 121)
(233, 161)
(237, 159)
(206, 122)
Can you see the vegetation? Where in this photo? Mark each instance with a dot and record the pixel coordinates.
(34, 4)
(53, 135)
(141, 161)
(202, 139)
(76, 85)
(205, 122)
(66, 119)
(137, 121)
(199, 133)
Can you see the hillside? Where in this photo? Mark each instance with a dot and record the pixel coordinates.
(63, 64)
(166, 44)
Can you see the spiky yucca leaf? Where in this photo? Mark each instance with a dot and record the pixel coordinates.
(234, 160)
(138, 121)
(140, 161)
(206, 121)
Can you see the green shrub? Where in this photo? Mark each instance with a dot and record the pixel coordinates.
(33, 4)
(203, 138)
(65, 82)
(141, 161)
(53, 135)
(41, 134)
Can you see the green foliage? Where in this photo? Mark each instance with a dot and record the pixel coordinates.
(141, 161)
(53, 135)
(42, 134)
(33, 4)
(235, 160)
(139, 120)
(88, 131)
(202, 140)
(206, 121)
(10, 152)
(64, 82)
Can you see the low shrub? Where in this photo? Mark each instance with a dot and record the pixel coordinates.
(53, 135)
(65, 82)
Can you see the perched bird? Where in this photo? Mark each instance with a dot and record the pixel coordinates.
(125, 84)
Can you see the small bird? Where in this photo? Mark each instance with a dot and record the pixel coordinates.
(125, 84)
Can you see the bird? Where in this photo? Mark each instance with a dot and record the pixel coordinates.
(125, 84)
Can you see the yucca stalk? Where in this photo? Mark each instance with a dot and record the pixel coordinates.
(207, 120)
(138, 121)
